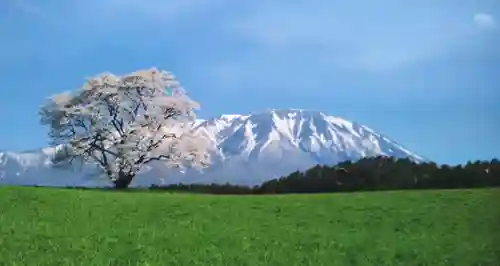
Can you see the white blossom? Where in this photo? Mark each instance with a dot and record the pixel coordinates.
(123, 123)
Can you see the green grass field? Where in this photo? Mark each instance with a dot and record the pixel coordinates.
(44, 226)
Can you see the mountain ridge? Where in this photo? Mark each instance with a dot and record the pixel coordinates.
(246, 150)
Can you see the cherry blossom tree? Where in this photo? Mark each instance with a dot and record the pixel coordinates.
(122, 123)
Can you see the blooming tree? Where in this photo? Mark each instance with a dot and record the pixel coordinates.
(123, 123)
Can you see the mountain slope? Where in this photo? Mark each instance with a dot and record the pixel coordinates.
(246, 150)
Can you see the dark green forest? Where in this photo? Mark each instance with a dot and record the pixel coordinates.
(374, 173)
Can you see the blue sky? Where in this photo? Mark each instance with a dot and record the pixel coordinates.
(423, 72)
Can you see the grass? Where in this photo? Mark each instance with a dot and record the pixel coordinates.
(44, 226)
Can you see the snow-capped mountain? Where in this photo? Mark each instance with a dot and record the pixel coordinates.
(246, 150)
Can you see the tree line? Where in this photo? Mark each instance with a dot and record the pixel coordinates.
(367, 174)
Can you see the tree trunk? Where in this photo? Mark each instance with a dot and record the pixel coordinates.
(123, 181)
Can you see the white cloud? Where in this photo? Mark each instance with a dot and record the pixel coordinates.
(485, 21)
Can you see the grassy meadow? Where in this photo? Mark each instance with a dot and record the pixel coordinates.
(47, 226)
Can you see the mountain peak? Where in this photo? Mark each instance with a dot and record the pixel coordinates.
(247, 150)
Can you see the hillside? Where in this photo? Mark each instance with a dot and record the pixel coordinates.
(43, 226)
(246, 150)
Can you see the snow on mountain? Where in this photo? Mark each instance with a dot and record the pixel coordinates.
(246, 150)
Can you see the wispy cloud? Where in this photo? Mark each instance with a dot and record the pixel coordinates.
(246, 39)
(98, 16)
(369, 36)
(155, 9)
(485, 21)
(121, 14)
(29, 8)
